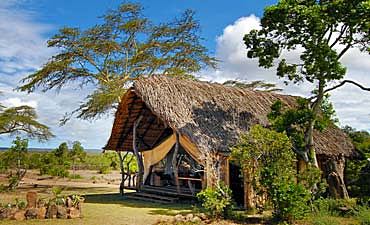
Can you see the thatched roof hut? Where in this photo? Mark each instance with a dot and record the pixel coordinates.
(212, 116)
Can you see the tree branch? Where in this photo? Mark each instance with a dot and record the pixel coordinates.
(347, 81)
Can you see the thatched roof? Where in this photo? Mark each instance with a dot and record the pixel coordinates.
(211, 115)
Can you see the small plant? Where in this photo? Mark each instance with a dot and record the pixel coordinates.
(58, 198)
(20, 204)
(217, 201)
(363, 215)
(76, 200)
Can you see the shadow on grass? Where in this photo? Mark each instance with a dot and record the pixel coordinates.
(159, 209)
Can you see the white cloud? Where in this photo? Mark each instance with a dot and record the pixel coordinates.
(23, 50)
(15, 102)
(351, 103)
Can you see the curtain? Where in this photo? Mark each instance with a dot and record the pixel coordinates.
(158, 153)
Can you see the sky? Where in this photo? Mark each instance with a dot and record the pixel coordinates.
(26, 25)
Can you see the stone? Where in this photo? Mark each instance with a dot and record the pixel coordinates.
(7, 213)
(73, 213)
(69, 203)
(41, 214)
(202, 216)
(52, 212)
(61, 212)
(195, 219)
(31, 199)
(189, 217)
(179, 218)
(31, 213)
(79, 207)
(19, 215)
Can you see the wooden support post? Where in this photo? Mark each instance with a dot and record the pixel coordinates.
(123, 178)
(174, 163)
(139, 179)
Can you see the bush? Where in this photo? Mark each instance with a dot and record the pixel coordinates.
(270, 156)
(334, 207)
(104, 169)
(217, 202)
(58, 171)
(75, 176)
(363, 215)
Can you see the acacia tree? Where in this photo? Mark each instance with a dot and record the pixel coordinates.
(22, 119)
(111, 55)
(323, 31)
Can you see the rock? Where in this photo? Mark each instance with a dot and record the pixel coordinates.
(202, 216)
(41, 213)
(69, 202)
(195, 219)
(189, 217)
(19, 215)
(31, 199)
(31, 213)
(73, 213)
(52, 212)
(41, 203)
(61, 212)
(79, 207)
(179, 218)
(7, 213)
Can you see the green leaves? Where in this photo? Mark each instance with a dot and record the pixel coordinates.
(267, 155)
(23, 119)
(111, 55)
(324, 30)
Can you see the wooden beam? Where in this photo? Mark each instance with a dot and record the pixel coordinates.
(139, 181)
(123, 178)
(123, 135)
(174, 163)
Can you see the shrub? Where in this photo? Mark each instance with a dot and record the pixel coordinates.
(270, 156)
(104, 169)
(334, 207)
(363, 215)
(216, 202)
(75, 176)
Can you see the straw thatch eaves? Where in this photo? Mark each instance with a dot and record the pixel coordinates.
(211, 115)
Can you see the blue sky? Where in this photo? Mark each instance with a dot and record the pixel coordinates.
(25, 25)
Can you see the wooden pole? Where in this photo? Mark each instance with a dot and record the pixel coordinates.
(123, 178)
(174, 163)
(139, 179)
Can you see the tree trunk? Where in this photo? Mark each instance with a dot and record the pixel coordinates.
(139, 179)
(123, 178)
(309, 149)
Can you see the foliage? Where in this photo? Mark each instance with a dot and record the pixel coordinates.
(357, 171)
(294, 121)
(363, 215)
(268, 156)
(321, 33)
(104, 169)
(217, 201)
(112, 54)
(333, 207)
(77, 154)
(23, 119)
(16, 157)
